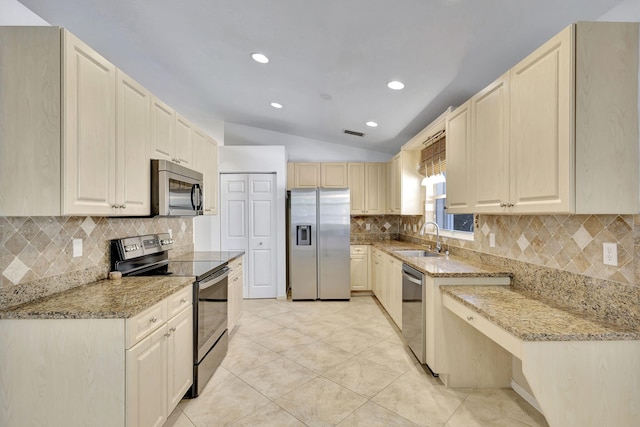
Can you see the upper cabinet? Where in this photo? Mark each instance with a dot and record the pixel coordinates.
(367, 187)
(76, 133)
(205, 160)
(333, 175)
(133, 146)
(559, 132)
(458, 141)
(306, 175)
(405, 195)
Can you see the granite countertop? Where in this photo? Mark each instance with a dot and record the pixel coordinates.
(104, 299)
(531, 319)
(438, 266)
(222, 256)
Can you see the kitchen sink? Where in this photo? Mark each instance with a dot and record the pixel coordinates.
(416, 253)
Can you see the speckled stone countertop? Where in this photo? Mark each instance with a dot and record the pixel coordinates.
(438, 266)
(104, 299)
(531, 319)
(222, 256)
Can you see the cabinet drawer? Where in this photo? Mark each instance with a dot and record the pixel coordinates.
(359, 249)
(507, 341)
(143, 324)
(179, 301)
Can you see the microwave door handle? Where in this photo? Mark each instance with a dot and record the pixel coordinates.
(196, 197)
(201, 199)
(193, 193)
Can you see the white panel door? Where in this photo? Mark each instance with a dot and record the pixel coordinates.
(234, 213)
(262, 236)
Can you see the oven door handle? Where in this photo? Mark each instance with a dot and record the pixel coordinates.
(225, 272)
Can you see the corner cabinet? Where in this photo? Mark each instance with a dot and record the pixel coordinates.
(558, 133)
(405, 195)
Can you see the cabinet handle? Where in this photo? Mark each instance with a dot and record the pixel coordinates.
(114, 206)
(183, 300)
(154, 319)
(469, 318)
(123, 206)
(503, 205)
(173, 329)
(509, 205)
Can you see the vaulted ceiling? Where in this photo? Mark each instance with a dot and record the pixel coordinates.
(330, 60)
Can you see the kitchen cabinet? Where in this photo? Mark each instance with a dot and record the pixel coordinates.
(98, 371)
(489, 153)
(236, 286)
(205, 160)
(291, 175)
(163, 123)
(458, 141)
(159, 367)
(306, 175)
(360, 268)
(183, 145)
(367, 187)
(405, 195)
(388, 284)
(333, 175)
(571, 109)
(133, 146)
(89, 129)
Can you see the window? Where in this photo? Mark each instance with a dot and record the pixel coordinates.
(451, 222)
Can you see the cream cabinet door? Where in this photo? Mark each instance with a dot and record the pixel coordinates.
(133, 147)
(333, 175)
(146, 381)
(183, 151)
(396, 292)
(458, 135)
(360, 268)
(291, 175)
(307, 175)
(356, 183)
(162, 130)
(198, 140)
(89, 130)
(489, 152)
(375, 196)
(395, 185)
(541, 134)
(211, 170)
(179, 357)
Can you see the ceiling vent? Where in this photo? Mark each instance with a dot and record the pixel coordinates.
(353, 132)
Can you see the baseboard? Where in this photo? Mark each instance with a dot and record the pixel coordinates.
(526, 396)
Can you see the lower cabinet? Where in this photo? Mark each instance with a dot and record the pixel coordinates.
(387, 284)
(236, 283)
(105, 372)
(360, 268)
(159, 368)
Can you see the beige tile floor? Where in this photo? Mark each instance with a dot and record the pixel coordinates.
(326, 363)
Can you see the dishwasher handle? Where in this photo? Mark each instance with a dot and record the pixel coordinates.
(411, 278)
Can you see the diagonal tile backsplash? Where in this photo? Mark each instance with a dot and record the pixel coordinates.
(36, 253)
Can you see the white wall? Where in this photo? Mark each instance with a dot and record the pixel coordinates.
(300, 149)
(262, 159)
(13, 12)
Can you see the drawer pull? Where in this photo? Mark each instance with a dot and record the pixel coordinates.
(469, 318)
(183, 300)
(154, 319)
(173, 329)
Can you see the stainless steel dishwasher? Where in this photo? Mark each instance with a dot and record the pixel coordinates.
(413, 312)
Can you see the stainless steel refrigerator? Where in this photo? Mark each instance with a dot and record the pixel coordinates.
(319, 228)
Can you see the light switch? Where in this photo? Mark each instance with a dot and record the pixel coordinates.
(368, 226)
(170, 231)
(415, 228)
(77, 248)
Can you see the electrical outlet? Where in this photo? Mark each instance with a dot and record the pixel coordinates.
(415, 228)
(170, 231)
(492, 240)
(405, 227)
(368, 226)
(610, 254)
(77, 248)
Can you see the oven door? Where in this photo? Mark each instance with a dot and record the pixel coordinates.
(211, 312)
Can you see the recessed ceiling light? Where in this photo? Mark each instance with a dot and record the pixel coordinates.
(371, 124)
(276, 105)
(258, 57)
(395, 85)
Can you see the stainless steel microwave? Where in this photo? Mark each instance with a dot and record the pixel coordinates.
(175, 190)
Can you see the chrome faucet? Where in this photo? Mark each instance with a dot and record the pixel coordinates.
(438, 246)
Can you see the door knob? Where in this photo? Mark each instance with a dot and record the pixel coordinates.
(260, 243)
